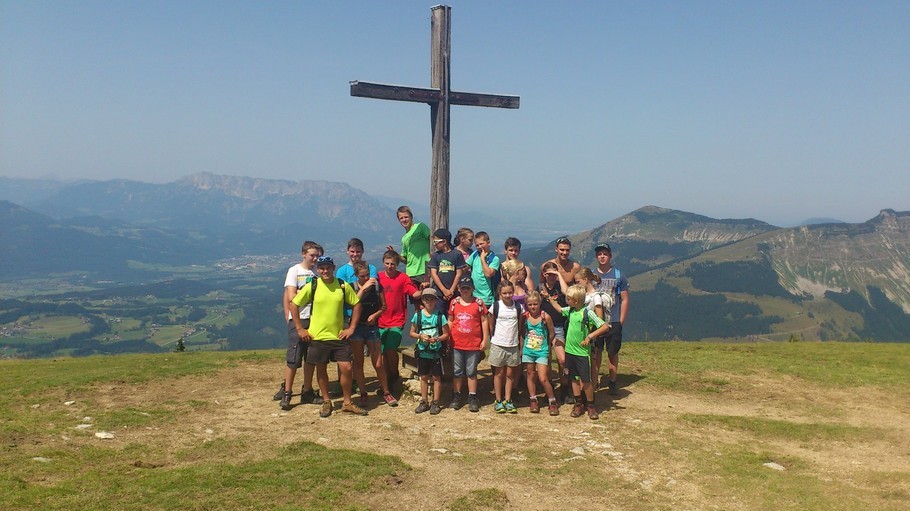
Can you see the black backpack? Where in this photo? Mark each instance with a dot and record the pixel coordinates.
(518, 313)
(313, 282)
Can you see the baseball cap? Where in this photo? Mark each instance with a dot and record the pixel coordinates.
(324, 260)
(442, 234)
(465, 282)
(602, 246)
(429, 292)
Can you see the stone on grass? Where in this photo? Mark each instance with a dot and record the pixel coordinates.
(104, 435)
(773, 466)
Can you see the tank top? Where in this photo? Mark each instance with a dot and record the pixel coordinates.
(536, 341)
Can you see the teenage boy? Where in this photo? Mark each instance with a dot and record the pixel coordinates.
(328, 297)
(567, 267)
(484, 266)
(470, 334)
(446, 266)
(512, 248)
(298, 276)
(614, 283)
(396, 288)
(355, 253)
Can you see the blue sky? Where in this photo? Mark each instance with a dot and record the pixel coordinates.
(780, 111)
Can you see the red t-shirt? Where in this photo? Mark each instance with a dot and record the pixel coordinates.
(396, 291)
(465, 325)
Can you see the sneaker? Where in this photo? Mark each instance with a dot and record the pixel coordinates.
(353, 408)
(456, 401)
(326, 409)
(578, 409)
(390, 399)
(499, 407)
(435, 408)
(592, 413)
(473, 403)
(568, 400)
(613, 389)
(308, 397)
(335, 390)
(510, 407)
(535, 406)
(364, 399)
(422, 407)
(554, 409)
(280, 394)
(285, 401)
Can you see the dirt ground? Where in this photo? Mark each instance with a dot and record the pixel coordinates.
(643, 453)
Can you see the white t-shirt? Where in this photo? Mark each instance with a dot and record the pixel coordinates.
(297, 277)
(506, 332)
(593, 300)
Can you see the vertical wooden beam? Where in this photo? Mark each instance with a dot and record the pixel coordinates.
(441, 45)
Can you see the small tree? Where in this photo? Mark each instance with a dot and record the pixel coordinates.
(180, 347)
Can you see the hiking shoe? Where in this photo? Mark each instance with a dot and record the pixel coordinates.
(456, 401)
(613, 389)
(326, 409)
(308, 397)
(535, 406)
(353, 408)
(285, 401)
(335, 390)
(554, 409)
(499, 407)
(435, 408)
(390, 399)
(568, 400)
(422, 407)
(578, 410)
(280, 394)
(473, 403)
(510, 407)
(592, 413)
(364, 399)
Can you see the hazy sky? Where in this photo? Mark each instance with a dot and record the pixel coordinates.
(774, 110)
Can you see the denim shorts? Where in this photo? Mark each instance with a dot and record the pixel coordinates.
(528, 359)
(465, 362)
(369, 333)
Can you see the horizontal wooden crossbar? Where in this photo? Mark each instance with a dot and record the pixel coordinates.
(430, 96)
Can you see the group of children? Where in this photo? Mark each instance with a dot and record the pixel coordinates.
(468, 304)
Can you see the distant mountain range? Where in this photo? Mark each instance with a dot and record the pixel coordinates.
(693, 277)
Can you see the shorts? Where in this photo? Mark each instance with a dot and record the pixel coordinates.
(464, 362)
(390, 337)
(534, 359)
(614, 338)
(429, 367)
(560, 332)
(579, 367)
(505, 356)
(296, 348)
(321, 352)
(417, 280)
(368, 333)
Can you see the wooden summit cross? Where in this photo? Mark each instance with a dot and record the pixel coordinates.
(439, 97)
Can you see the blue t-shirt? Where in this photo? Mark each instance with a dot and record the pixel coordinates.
(483, 288)
(346, 273)
(428, 326)
(609, 284)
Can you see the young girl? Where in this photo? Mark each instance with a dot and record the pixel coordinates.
(431, 330)
(505, 348)
(372, 302)
(553, 285)
(536, 352)
(464, 242)
(515, 272)
(594, 303)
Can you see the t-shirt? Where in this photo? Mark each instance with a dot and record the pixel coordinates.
(345, 272)
(466, 330)
(537, 339)
(547, 307)
(415, 248)
(396, 291)
(446, 263)
(369, 301)
(482, 284)
(576, 331)
(506, 330)
(298, 276)
(429, 325)
(326, 320)
(593, 300)
(609, 284)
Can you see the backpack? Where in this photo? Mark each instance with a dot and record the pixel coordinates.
(444, 348)
(610, 299)
(518, 312)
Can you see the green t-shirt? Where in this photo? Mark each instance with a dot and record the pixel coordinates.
(576, 329)
(326, 319)
(415, 248)
(483, 285)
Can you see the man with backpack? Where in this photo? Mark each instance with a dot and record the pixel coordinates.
(613, 284)
(328, 296)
